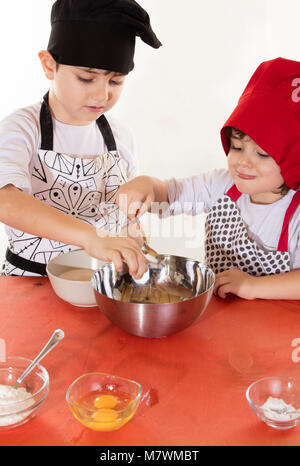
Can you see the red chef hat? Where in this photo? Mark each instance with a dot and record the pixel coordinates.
(269, 112)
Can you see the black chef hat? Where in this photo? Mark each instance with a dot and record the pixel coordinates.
(99, 33)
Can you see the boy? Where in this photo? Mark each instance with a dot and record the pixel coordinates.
(253, 208)
(61, 159)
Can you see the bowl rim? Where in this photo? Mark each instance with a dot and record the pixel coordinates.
(45, 379)
(281, 377)
(69, 253)
(134, 401)
(66, 279)
(201, 264)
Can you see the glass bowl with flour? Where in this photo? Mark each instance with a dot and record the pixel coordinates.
(276, 401)
(18, 405)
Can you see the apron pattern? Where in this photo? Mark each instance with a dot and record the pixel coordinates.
(80, 191)
(228, 245)
(79, 186)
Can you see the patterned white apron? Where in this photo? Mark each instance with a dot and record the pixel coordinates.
(228, 245)
(82, 186)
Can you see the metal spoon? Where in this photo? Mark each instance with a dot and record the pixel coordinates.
(56, 337)
(148, 250)
(145, 247)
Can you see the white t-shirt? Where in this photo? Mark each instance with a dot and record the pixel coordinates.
(20, 140)
(264, 222)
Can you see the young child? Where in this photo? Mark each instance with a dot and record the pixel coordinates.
(253, 213)
(61, 159)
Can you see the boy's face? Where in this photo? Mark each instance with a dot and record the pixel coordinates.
(81, 95)
(253, 171)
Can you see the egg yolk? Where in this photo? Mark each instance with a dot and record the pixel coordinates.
(105, 415)
(106, 401)
(108, 415)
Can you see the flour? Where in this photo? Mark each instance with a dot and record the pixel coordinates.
(14, 399)
(278, 410)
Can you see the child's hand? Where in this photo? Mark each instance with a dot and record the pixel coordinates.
(117, 250)
(234, 281)
(134, 230)
(135, 197)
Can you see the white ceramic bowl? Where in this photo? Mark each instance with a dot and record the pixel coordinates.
(76, 292)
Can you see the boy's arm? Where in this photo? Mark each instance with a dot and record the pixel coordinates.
(23, 212)
(278, 286)
(160, 190)
(136, 196)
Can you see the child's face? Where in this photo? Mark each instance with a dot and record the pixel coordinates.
(254, 172)
(81, 95)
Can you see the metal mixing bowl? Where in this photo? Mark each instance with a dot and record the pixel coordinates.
(170, 296)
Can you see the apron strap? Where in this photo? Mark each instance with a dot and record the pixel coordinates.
(47, 128)
(284, 237)
(25, 264)
(46, 124)
(107, 133)
(233, 193)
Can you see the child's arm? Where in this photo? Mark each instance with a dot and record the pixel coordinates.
(135, 197)
(278, 286)
(23, 212)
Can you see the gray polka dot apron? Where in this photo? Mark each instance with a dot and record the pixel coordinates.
(228, 246)
(82, 186)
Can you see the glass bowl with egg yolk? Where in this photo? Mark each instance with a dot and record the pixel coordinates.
(103, 402)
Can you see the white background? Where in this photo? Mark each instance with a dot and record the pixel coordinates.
(177, 98)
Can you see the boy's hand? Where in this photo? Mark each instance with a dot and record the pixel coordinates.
(235, 281)
(135, 197)
(135, 230)
(117, 250)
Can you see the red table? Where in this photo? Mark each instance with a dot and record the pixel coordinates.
(194, 382)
